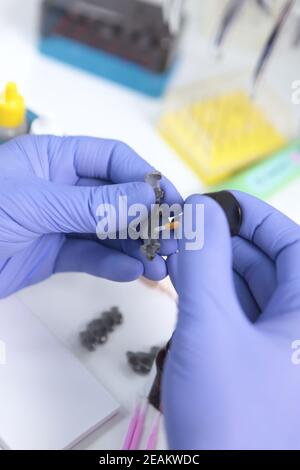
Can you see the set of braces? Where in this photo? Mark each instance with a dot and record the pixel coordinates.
(97, 330)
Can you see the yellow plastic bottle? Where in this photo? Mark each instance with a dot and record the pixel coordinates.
(12, 113)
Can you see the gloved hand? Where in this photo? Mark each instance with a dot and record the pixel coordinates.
(50, 189)
(229, 381)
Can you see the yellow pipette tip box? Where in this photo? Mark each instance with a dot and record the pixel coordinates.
(218, 132)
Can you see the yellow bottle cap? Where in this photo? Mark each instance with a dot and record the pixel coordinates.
(12, 107)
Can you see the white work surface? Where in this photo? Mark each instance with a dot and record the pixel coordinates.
(84, 104)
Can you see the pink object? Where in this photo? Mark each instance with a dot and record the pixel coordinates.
(152, 441)
(137, 435)
(132, 427)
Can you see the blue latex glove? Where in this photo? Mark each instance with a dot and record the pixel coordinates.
(50, 188)
(229, 380)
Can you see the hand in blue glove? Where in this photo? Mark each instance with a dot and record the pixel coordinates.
(229, 380)
(50, 189)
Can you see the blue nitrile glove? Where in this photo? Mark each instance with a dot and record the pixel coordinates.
(230, 380)
(50, 189)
